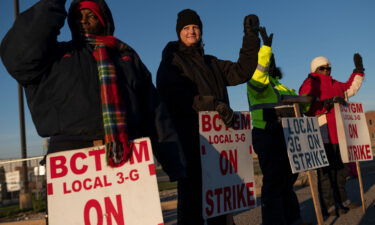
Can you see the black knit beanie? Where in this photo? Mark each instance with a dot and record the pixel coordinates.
(187, 17)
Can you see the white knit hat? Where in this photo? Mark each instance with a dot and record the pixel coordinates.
(319, 61)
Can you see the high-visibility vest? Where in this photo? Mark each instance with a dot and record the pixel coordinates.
(263, 91)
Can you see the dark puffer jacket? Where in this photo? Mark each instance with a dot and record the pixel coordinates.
(190, 81)
(62, 85)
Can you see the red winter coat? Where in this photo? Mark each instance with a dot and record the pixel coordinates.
(324, 87)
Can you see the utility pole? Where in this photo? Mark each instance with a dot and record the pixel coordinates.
(25, 196)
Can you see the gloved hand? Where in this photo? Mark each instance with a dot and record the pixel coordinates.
(251, 24)
(267, 40)
(328, 103)
(358, 63)
(226, 113)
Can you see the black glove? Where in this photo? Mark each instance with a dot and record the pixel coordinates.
(267, 40)
(251, 24)
(226, 113)
(358, 63)
(328, 103)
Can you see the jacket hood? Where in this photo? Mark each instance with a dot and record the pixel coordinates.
(106, 14)
(170, 49)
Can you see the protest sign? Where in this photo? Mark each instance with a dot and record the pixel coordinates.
(304, 143)
(13, 181)
(353, 133)
(83, 189)
(227, 164)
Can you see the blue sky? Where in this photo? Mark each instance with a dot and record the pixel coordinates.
(302, 30)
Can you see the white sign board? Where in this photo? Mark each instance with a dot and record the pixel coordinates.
(304, 143)
(227, 164)
(353, 133)
(13, 180)
(83, 190)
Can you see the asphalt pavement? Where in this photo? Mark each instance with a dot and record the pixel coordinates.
(353, 217)
(253, 216)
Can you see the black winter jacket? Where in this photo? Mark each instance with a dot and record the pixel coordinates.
(62, 85)
(190, 81)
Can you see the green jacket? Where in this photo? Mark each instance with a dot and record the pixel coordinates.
(264, 91)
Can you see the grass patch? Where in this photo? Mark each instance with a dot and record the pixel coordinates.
(38, 205)
(166, 185)
(11, 210)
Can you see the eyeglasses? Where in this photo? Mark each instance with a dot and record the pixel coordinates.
(324, 68)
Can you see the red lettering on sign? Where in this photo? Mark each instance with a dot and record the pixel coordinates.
(57, 165)
(111, 211)
(220, 139)
(240, 196)
(209, 202)
(206, 125)
(368, 152)
(227, 197)
(209, 123)
(353, 131)
(97, 154)
(245, 122)
(76, 185)
(232, 197)
(87, 184)
(359, 152)
(134, 175)
(97, 183)
(152, 170)
(241, 122)
(59, 169)
(218, 193)
(140, 152)
(73, 163)
(65, 189)
(86, 212)
(352, 108)
(228, 164)
(250, 193)
(216, 122)
(49, 189)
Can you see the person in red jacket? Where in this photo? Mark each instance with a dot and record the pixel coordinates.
(326, 91)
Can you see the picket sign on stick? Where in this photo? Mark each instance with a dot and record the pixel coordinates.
(83, 190)
(227, 164)
(361, 187)
(354, 138)
(312, 183)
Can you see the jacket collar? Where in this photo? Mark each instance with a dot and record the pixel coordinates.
(191, 50)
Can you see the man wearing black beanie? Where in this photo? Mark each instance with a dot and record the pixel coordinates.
(190, 81)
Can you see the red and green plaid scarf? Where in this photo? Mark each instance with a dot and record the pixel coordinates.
(113, 105)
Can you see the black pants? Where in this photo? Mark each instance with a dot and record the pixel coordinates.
(279, 201)
(332, 179)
